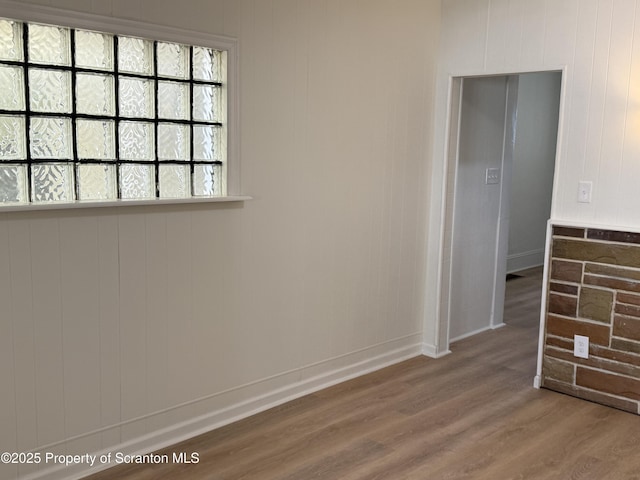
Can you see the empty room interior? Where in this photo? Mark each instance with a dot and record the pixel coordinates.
(319, 239)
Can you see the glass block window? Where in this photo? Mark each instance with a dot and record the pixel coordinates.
(92, 116)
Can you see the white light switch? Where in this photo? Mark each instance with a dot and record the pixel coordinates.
(584, 192)
(492, 176)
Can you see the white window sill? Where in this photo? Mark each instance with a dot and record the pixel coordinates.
(119, 203)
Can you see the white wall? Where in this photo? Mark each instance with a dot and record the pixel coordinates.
(116, 323)
(597, 43)
(533, 166)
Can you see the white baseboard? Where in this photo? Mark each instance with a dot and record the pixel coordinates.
(307, 380)
(431, 351)
(524, 260)
(537, 381)
(471, 334)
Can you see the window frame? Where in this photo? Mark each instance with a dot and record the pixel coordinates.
(110, 25)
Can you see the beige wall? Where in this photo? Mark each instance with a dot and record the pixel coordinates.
(597, 44)
(118, 322)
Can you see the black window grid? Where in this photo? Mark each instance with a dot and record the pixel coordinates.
(156, 120)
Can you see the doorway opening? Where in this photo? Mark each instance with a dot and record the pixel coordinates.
(501, 165)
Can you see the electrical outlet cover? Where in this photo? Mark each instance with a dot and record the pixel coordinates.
(580, 346)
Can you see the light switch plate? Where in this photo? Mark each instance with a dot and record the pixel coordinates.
(492, 176)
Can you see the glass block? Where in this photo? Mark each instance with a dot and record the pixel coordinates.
(11, 40)
(12, 88)
(174, 181)
(206, 180)
(206, 64)
(96, 139)
(94, 50)
(12, 138)
(13, 183)
(50, 137)
(206, 142)
(173, 100)
(173, 141)
(52, 182)
(49, 45)
(136, 141)
(173, 60)
(97, 182)
(136, 98)
(95, 94)
(135, 55)
(50, 90)
(137, 181)
(206, 102)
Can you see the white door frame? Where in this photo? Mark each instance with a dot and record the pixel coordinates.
(450, 160)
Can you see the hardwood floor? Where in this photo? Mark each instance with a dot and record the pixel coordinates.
(470, 415)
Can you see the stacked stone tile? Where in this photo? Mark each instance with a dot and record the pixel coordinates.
(594, 290)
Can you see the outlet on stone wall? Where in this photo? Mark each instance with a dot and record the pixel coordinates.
(580, 346)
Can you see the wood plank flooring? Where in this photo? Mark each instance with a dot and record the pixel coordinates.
(470, 415)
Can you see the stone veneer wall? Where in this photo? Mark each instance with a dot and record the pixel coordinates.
(594, 290)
